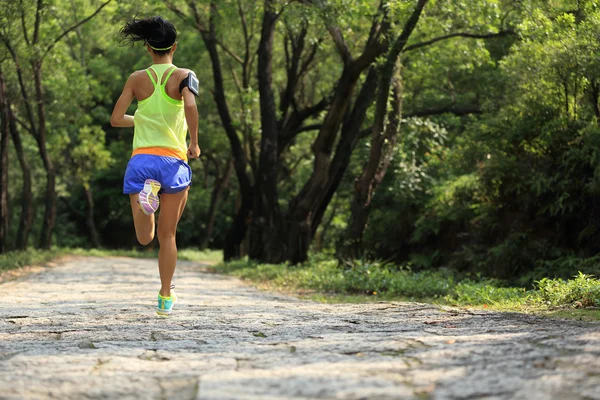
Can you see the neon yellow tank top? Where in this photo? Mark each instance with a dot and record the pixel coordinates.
(159, 121)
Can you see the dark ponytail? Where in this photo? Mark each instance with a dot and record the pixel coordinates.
(156, 31)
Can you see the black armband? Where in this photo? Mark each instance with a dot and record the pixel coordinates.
(190, 82)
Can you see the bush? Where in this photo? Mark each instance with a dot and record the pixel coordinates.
(374, 278)
(582, 291)
(488, 292)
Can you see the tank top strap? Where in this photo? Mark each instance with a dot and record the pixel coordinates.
(166, 78)
(150, 75)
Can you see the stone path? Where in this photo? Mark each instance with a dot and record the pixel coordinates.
(86, 329)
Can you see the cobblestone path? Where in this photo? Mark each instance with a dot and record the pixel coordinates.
(86, 329)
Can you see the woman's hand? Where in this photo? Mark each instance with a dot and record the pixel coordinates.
(193, 151)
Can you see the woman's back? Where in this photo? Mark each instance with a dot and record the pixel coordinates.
(160, 125)
(143, 86)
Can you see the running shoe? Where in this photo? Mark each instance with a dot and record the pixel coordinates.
(148, 199)
(165, 304)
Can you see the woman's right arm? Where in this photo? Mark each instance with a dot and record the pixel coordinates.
(118, 117)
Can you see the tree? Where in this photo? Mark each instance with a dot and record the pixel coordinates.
(36, 48)
(220, 184)
(383, 138)
(270, 239)
(4, 139)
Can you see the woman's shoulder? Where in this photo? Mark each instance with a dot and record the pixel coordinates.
(183, 72)
(137, 74)
(186, 70)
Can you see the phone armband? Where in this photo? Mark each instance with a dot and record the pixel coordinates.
(190, 82)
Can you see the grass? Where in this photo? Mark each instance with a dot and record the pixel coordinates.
(17, 259)
(362, 281)
(321, 279)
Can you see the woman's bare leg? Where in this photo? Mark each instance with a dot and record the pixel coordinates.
(144, 224)
(171, 208)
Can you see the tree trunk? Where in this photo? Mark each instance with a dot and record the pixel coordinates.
(220, 184)
(350, 136)
(566, 86)
(302, 228)
(595, 95)
(4, 139)
(383, 140)
(322, 234)
(307, 208)
(26, 220)
(50, 198)
(299, 223)
(382, 147)
(265, 240)
(237, 231)
(89, 217)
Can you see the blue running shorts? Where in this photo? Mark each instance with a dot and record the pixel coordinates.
(173, 174)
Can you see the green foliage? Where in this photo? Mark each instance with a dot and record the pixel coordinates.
(511, 190)
(361, 277)
(582, 291)
(324, 278)
(486, 292)
(18, 259)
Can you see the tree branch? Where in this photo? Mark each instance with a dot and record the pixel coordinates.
(313, 110)
(24, 93)
(192, 6)
(22, 123)
(450, 109)
(310, 58)
(77, 25)
(376, 44)
(231, 53)
(247, 40)
(308, 128)
(23, 25)
(459, 34)
(38, 18)
(458, 111)
(340, 44)
(184, 17)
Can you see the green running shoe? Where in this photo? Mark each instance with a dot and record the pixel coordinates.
(165, 304)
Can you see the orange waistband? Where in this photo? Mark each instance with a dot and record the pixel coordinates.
(160, 151)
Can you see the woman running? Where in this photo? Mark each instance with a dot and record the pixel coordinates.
(158, 172)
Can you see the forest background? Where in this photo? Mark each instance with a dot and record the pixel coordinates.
(455, 137)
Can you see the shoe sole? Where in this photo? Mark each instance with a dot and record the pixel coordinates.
(148, 198)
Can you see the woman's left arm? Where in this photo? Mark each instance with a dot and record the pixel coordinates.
(118, 117)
